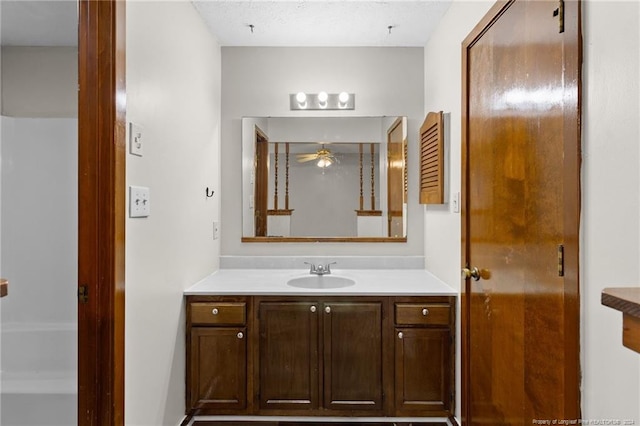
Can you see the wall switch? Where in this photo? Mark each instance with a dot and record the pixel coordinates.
(135, 139)
(139, 201)
(216, 230)
(455, 202)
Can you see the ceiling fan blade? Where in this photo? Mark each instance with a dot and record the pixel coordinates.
(304, 159)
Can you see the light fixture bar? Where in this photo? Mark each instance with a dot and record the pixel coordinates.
(322, 101)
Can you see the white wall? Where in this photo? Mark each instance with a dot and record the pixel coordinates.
(258, 81)
(610, 204)
(443, 93)
(173, 92)
(325, 200)
(39, 219)
(39, 81)
(611, 186)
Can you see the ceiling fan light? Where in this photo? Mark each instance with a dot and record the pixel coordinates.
(324, 162)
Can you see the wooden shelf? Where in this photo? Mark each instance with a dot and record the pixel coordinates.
(627, 301)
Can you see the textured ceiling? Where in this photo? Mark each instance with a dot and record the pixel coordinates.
(39, 23)
(276, 23)
(322, 23)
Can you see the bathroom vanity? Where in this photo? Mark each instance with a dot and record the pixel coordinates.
(380, 347)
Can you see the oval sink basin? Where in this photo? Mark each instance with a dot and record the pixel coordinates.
(321, 281)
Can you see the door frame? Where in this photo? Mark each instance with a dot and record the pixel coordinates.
(261, 196)
(101, 211)
(390, 212)
(572, 200)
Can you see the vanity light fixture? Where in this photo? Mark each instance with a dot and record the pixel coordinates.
(323, 97)
(343, 100)
(301, 99)
(322, 101)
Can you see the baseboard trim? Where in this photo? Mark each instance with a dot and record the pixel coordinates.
(315, 421)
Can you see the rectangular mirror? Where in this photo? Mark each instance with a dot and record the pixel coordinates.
(328, 179)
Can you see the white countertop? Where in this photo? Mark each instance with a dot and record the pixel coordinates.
(273, 282)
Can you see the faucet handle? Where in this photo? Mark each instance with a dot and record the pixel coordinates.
(327, 268)
(312, 267)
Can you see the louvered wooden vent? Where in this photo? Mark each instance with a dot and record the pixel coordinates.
(432, 159)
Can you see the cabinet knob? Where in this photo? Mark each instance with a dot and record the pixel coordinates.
(312, 308)
(425, 312)
(215, 311)
(240, 335)
(328, 309)
(400, 335)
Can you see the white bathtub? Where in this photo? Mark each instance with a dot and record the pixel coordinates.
(38, 379)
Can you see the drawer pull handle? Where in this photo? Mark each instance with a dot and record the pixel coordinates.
(328, 309)
(240, 335)
(215, 311)
(425, 312)
(400, 335)
(312, 308)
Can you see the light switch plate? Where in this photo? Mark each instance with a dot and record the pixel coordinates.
(455, 202)
(139, 201)
(135, 139)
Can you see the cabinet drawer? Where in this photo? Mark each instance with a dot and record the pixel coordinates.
(218, 313)
(422, 314)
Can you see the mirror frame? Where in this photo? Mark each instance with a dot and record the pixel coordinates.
(337, 239)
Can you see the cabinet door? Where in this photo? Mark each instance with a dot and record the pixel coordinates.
(218, 368)
(288, 360)
(352, 355)
(422, 370)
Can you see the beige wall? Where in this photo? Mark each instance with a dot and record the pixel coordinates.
(40, 81)
(258, 81)
(443, 93)
(610, 242)
(610, 246)
(173, 92)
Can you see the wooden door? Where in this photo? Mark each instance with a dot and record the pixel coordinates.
(218, 369)
(352, 355)
(422, 371)
(101, 211)
(521, 92)
(395, 179)
(261, 184)
(288, 359)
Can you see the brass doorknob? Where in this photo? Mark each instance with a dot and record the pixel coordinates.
(471, 273)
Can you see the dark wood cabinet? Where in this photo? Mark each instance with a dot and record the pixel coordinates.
(321, 356)
(288, 356)
(422, 370)
(352, 355)
(218, 368)
(217, 355)
(424, 357)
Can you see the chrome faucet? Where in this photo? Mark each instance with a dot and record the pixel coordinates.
(320, 269)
